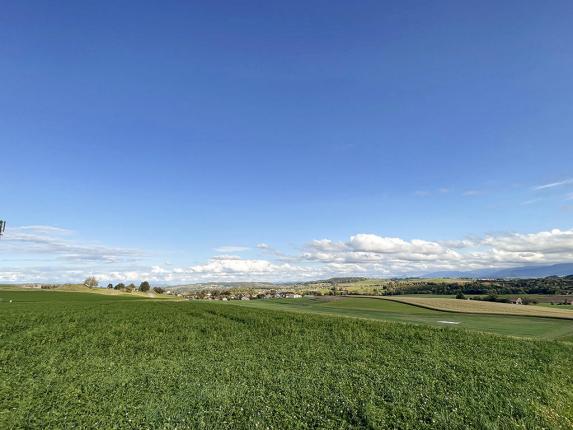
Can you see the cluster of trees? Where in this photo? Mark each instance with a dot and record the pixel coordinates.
(346, 280)
(143, 287)
(91, 282)
(495, 298)
(502, 286)
(564, 302)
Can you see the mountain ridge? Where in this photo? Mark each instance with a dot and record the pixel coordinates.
(539, 271)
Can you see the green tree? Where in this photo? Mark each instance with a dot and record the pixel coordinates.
(144, 287)
(120, 286)
(90, 282)
(110, 286)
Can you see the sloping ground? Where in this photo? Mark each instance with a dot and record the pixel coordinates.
(77, 288)
(482, 307)
(17, 287)
(74, 288)
(389, 310)
(108, 362)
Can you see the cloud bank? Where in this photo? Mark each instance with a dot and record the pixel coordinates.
(52, 254)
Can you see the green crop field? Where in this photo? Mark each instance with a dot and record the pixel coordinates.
(77, 360)
(383, 309)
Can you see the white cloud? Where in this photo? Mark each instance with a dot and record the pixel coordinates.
(42, 229)
(379, 254)
(269, 250)
(327, 245)
(235, 265)
(232, 248)
(225, 257)
(46, 255)
(425, 193)
(530, 202)
(546, 242)
(55, 243)
(232, 268)
(379, 244)
(470, 193)
(553, 184)
(459, 244)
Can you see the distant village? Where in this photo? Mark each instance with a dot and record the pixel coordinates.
(229, 295)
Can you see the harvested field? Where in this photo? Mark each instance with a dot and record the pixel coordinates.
(479, 307)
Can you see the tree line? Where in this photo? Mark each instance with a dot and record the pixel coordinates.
(550, 286)
(144, 287)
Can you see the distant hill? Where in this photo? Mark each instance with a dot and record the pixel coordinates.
(562, 269)
(525, 272)
(261, 285)
(221, 286)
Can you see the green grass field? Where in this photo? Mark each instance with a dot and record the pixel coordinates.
(76, 360)
(381, 309)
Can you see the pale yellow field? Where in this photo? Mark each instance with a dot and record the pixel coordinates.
(111, 292)
(479, 307)
(78, 288)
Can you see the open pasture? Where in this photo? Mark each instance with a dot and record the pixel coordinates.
(390, 310)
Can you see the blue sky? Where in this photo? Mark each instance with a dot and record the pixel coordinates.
(168, 139)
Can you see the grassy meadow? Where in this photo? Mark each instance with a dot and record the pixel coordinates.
(388, 309)
(76, 360)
